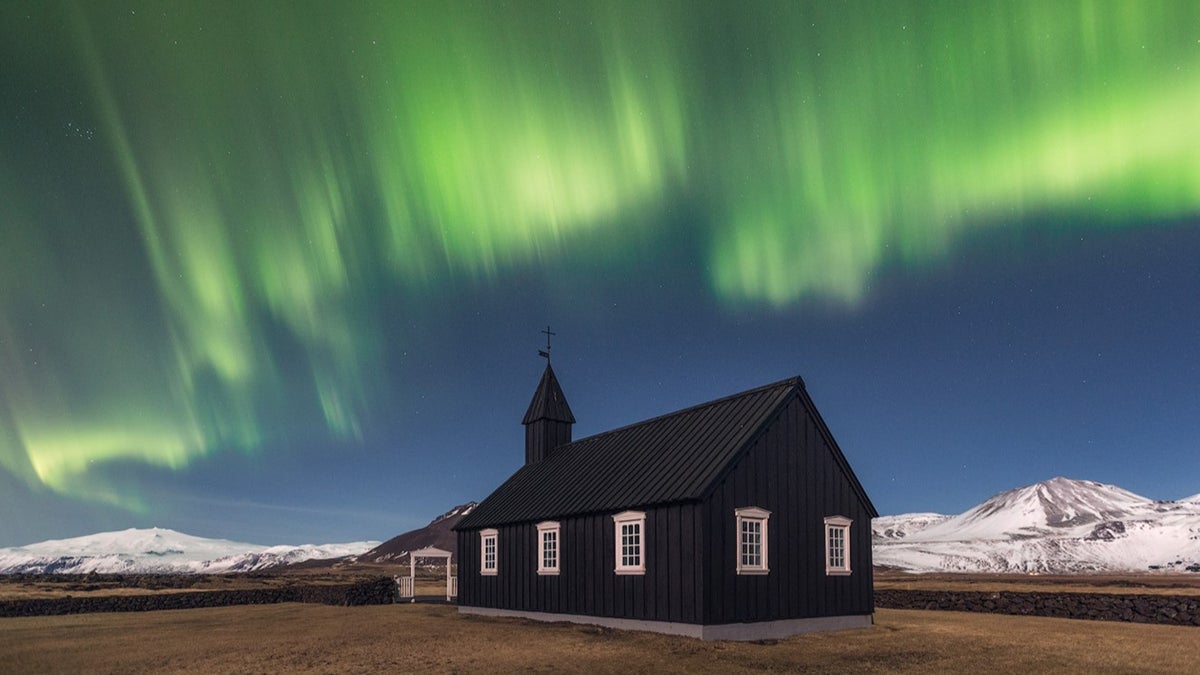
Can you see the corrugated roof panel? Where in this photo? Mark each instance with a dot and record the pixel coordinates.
(666, 459)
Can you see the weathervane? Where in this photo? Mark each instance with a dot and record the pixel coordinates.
(546, 354)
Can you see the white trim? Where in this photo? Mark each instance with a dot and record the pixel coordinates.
(428, 552)
(431, 552)
(637, 548)
(751, 514)
(484, 537)
(840, 524)
(758, 630)
(549, 527)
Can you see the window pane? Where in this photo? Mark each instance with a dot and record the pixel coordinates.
(550, 549)
(489, 553)
(751, 543)
(631, 544)
(837, 547)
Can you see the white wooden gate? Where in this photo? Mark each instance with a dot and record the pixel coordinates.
(408, 584)
(407, 588)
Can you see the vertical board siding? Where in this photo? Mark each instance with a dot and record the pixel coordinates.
(587, 583)
(791, 471)
(691, 548)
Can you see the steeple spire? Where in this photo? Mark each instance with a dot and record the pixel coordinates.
(548, 420)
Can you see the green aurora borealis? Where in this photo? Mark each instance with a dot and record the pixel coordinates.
(193, 185)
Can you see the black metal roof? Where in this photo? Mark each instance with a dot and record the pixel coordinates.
(549, 402)
(672, 458)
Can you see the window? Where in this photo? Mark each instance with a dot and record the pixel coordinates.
(752, 540)
(548, 547)
(487, 551)
(837, 545)
(629, 549)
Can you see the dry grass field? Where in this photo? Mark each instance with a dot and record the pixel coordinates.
(1149, 584)
(434, 638)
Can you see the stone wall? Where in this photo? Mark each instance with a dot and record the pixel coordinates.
(379, 591)
(1181, 610)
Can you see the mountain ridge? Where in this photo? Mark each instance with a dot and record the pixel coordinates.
(160, 551)
(439, 533)
(1060, 525)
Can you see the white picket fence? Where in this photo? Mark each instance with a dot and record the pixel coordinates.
(407, 588)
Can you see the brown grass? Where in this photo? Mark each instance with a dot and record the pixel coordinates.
(1148, 584)
(434, 638)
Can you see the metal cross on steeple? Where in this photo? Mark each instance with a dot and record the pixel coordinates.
(546, 354)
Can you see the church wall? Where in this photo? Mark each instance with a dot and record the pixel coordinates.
(791, 471)
(587, 585)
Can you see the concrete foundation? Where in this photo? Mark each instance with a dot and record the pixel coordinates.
(762, 630)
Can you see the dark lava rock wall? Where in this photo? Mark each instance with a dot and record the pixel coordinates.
(1180, 610)
(379, 591)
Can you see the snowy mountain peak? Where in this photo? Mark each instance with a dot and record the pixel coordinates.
(458, 511)
(159, 550)
(1055, 503)
(133, 541)
(1058, 525)
(439, 533)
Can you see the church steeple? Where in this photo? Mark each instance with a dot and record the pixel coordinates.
(548, 420)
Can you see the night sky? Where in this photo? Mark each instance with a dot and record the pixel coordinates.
(276, 271)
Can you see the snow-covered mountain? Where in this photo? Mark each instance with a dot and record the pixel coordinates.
(891, 528)
(439, 533)
(158, 551)
(1056, 526)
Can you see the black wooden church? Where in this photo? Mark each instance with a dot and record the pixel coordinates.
(733, 519)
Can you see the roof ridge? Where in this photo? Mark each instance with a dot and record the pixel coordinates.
(794, 380)
(672, 457)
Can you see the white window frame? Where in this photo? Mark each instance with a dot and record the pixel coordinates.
(620, 521)
(839, 524)
(751, 514)
(549, 531)
(484, 537)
